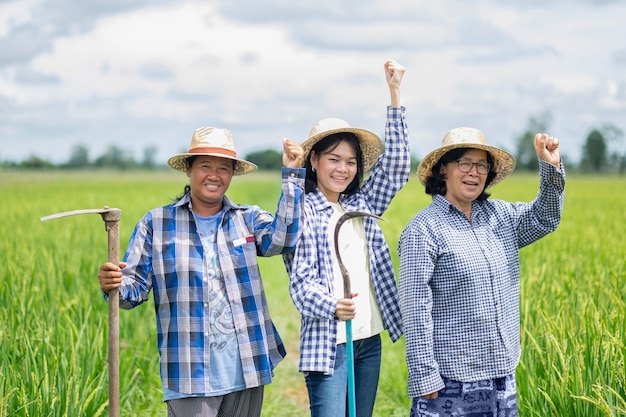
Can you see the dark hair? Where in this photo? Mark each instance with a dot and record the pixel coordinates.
(188, 163)
(436, 181)
(327, 144)
(185, 192)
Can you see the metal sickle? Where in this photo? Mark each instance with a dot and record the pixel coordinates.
(111, 217)
(348, 294)
(344, 272)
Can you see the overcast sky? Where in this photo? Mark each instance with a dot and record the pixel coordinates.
(138, 74)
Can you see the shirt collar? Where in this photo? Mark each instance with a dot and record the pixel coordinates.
(318, 200)
(228, 205)
(442, 204)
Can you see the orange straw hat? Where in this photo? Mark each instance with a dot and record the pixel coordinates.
(467, 137)
(212, 141)
(371, 145)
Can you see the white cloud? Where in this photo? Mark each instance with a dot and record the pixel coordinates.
(271, 69)
(13, 14)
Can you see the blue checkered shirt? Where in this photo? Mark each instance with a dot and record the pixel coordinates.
(310, 266)
(459, 284)
(165, 255)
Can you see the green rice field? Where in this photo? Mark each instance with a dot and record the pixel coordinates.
(54, 321)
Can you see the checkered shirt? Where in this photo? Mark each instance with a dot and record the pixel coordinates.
(459, 284)
(310, 266)
(165, 255)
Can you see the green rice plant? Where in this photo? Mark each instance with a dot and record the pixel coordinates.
(573, 308)
(53, 319)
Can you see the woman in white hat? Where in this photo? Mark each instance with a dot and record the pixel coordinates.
(217, 344)
(336, 157)
(459, 275)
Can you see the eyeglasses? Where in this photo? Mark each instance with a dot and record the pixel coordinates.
(466, 166)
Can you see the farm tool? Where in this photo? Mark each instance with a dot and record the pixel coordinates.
(111, 217)
(347, 293)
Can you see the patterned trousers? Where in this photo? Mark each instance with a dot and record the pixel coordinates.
(489, 398)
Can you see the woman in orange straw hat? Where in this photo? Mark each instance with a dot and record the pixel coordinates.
(459, 275)
(217, 344)
(336, 156)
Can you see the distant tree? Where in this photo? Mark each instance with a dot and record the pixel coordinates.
(149, 155)
(615, 147)
(35, 162)
(603, 151)
(269, 159)
(617, 162)
(525, 151)
(415, 162)
(115, 157)
(79, 157)
(594, 156)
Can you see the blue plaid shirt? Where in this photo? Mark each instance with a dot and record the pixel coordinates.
(165, 254)
(459, 284)
(310, 266)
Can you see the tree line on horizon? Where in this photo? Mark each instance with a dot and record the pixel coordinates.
(602, 152)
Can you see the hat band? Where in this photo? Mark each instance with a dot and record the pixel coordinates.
(223, 151)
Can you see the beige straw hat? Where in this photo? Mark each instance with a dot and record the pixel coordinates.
(467, 137)
(212, 141)
(371, 144)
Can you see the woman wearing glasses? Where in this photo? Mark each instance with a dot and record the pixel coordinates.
(459, 275)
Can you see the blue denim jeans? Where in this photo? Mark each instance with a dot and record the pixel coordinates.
(328, 394)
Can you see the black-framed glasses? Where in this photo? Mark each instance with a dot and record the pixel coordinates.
(465, 166)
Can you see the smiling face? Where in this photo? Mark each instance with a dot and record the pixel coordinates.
(336, 168)
(209, 178)
(462, 188)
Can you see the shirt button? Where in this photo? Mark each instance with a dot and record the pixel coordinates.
(206, 334)
(206, 305)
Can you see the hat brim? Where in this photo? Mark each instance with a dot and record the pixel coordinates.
(371, 144)
(179, 162)
(503, 162)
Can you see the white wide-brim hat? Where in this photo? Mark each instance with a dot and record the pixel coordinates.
(467, 137)
(212, 141)
(371, 145)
